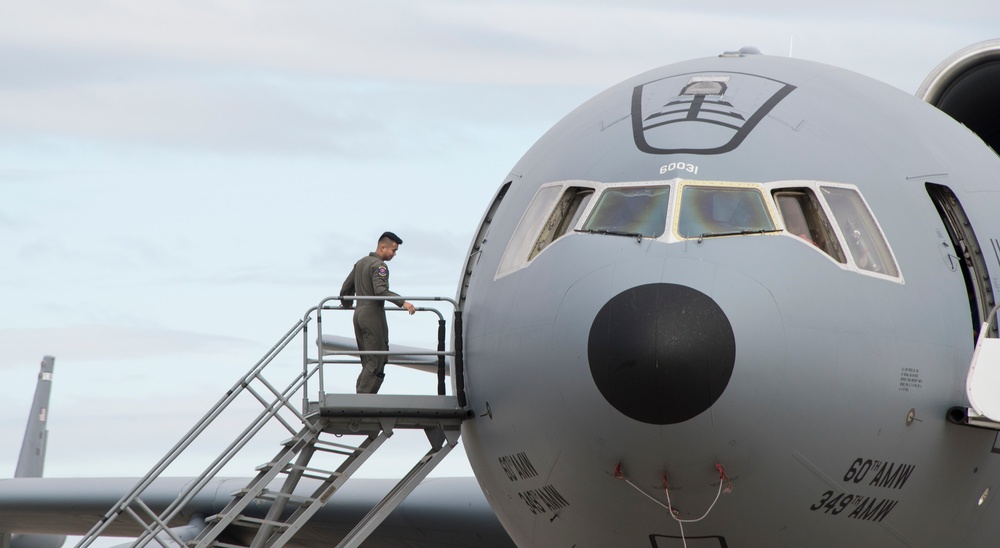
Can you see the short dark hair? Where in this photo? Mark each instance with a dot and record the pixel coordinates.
(387, 236)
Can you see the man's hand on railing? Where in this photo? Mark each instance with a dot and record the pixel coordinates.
(347, 303)
(409, 307)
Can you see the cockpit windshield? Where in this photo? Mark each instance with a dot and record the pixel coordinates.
(722, 211)
(630, 211)
(832, 218)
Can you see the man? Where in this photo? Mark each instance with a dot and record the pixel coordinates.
(370, 277)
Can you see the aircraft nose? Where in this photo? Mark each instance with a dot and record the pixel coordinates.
(661, 353)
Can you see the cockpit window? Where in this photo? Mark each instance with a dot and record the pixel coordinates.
(523, 239)
(804, 217)
(564, 216)
(864, 239)
(722, 211)
(555, 210)
(631, 211)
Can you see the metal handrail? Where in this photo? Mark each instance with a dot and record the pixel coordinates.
(323, 305)
(122, 506)
(990, 316)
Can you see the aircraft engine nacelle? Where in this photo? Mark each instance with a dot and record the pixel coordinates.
(965, 86)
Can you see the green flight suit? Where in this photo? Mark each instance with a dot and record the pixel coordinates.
(370, 277)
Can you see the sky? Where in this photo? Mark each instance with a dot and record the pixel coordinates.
(181, 181)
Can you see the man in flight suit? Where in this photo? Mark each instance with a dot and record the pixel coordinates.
(370, 277)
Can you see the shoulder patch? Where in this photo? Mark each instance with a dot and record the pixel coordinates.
(382, 271)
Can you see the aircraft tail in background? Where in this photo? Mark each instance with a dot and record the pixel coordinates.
(32, 460)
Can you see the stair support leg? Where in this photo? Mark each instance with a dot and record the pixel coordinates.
(323, 493)
(405, 486)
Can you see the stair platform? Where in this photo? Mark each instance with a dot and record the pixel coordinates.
(355, 414)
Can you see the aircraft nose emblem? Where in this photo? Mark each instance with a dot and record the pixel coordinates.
(661, 353)
(662, 106)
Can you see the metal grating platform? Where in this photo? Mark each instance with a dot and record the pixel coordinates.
(370, 413)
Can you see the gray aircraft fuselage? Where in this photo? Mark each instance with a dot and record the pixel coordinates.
(609, 370)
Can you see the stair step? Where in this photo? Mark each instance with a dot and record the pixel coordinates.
(275, 495)
(298, 437)
(327, 477)
(308, 471)
(244, 521)
(265, 467)
(332, 447)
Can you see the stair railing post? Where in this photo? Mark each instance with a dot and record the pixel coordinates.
(459, 371)
(441, 334)
(319, 350)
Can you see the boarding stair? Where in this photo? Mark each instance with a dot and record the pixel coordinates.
(344, 429)
(982, 384)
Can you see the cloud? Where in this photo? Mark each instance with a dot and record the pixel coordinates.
(95, 257)
(357, 80)
(484, 42)
(260, 113)
(10, 175)
(182, 114)
(108, 342)
(7, 223)
(48, 249)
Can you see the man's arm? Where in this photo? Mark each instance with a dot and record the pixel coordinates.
(380, 283)
(347, 289)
